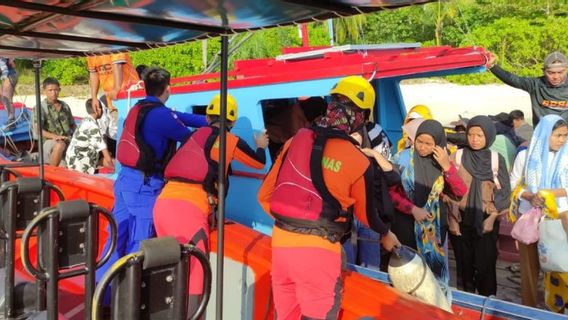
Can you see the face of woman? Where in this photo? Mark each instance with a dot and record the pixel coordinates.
(558, 138)
(476, 138)
(424, 144)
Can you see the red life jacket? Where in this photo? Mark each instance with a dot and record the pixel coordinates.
(301, 201)
(132, 149)
(192, 162)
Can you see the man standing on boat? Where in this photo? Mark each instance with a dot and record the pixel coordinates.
(313, 200)
(549, 93)
(148, 140)
(8, 79)
(114, 73)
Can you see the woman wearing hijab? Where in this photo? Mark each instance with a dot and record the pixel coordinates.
(475, 243)
(409, 132)
(427, 174)
(544, 166)
(419, 111)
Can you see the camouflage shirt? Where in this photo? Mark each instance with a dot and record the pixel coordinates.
(57, 122)
(83, 151)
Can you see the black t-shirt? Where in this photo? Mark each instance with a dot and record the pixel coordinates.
(545, 99)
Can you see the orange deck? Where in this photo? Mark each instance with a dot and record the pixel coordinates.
(363, 297)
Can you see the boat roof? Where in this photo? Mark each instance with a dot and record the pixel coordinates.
(305, 64)
(62, 28)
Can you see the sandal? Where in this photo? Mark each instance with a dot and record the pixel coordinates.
(514, 268)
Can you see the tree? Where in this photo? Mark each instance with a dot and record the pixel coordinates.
(348, 30)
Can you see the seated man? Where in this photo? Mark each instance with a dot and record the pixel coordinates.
(86, 144)
(57, 121)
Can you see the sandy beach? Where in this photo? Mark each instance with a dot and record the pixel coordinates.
(446, 100)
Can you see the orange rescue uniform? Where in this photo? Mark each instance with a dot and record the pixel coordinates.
(306, 269)
(182, 209)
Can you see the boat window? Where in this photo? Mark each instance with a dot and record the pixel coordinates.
(198, 109)
(284, 117)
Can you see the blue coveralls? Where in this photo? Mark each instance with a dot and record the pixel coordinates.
(135, 193)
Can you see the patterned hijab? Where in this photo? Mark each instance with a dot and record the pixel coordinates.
(343, 117)
(537, 172)
(423, 182)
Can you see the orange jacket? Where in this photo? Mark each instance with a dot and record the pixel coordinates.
(103, 66)
(348, 176)
(238, 149)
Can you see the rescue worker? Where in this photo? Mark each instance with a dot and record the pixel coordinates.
(148, 140)
(313, 199)
(187, 203)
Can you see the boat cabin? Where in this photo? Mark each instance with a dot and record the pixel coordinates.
(281, 94)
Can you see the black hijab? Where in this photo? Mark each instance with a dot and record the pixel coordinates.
(478, 164)
(426, 169)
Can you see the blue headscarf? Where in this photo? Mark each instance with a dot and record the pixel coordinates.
(537, 174)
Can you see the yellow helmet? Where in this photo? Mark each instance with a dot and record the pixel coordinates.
(214, 107)
(421, 110)
(358, 90)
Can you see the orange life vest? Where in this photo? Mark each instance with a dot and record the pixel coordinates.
(301, 201)
(192, 162)
(132, 149)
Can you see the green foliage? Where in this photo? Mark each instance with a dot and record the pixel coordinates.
(520, 44)
(268, 43)
(67, 71)
(179, 60)
(402, 25)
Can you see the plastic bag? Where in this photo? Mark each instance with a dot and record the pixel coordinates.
(553, 246)
(525, 229)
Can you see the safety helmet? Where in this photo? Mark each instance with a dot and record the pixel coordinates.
(358, 90)
(422, 110)
(214, 107)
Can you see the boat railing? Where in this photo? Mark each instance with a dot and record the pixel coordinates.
(153, 283)
(21, 200)
(202, 78)
(68, 236)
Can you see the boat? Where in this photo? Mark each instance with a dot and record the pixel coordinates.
(306, 72)
(19, 137)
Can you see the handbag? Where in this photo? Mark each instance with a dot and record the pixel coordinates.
(525, 230)
(552, 246)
